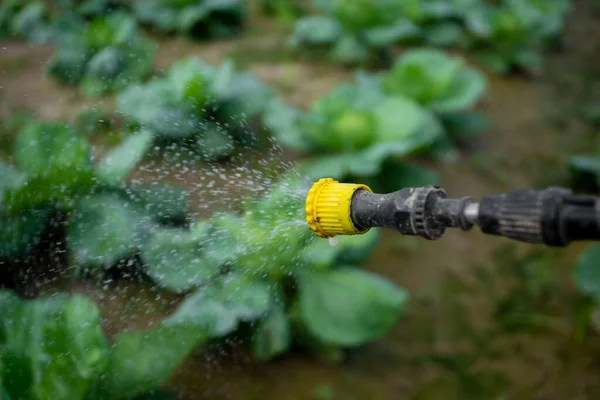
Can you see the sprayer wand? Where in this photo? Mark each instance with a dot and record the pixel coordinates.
(553, 216)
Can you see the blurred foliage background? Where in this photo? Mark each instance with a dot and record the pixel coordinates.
(155, 156)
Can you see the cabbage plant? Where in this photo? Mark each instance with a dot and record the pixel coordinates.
(586, 171)
(513, 32)
(204, 18)
(424, 102)
(353, 32)
(107, 221)
(27, 20)
(106, 55)
(586, 274)
(53, 347)
(358, 132)
(210, 106)
(501, 35)
(444, 85)
(264, 269)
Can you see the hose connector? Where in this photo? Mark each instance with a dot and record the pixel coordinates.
(328, 208)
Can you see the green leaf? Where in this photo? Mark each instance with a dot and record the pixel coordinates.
(465, 123)
(11, 178)
(466, 89)
(408, 175)
(215, 143)
(350, 250)
(587, 273)
(20, 233)
(44, 147)
(166, 203)
(156, 107)
(282, 120)
(176, 258)
(349, 50)
(141, 361)
(349, 307)
(586, 164)
(316, 30)
(117, 164)
(445, 34)
(495, 62)
(337, 166)
(104, 229)
(221, 305)
(53, 188)
(272, 336)
(353, 250)
(69, 62)
(384, 36)
(398, 118)
(56, 343)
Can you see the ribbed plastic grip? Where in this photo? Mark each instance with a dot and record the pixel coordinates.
(522, 215)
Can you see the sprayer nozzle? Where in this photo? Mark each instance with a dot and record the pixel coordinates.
(328, 211)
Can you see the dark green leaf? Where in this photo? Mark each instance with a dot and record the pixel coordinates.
(53, 188)
(349, 50)
(272, 335)
(117, 164)
(68, 64)
(282, 120)
(316, 30)
(587, 274)
(445, 34)
(20, 233)
(43, 147)
(104, 229)
(62, 341)
(219, 306)
(156, 107)
(385, 36)
(165, 202)
(349, 307)
(215, 143)
(465, 90)
(465, 124)
(176, 258)
(141, 361)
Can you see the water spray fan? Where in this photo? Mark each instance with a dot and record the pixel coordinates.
(553, 216)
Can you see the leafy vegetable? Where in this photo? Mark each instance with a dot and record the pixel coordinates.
(273, 334)
(267, 250)
(354, 129)
(106, 56)
(221, 305)
(104, 229)
(353, 31)
(204, 18)
(286, 11)
(423, 103)
(28, 20)
(198, 100)
(54, 348)
(107, 221)
(176, 259)
(586, 274)
(587, 169)
(435, 80)
(34, 333)
(500, 34)
(349, 307)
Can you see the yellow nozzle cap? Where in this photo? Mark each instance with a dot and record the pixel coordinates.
(328, 208)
